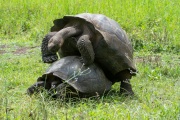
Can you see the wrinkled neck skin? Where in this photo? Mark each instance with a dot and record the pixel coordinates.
(58, 39)
(68, 32)
(54, 40)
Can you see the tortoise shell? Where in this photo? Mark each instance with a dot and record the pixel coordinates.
(87, 80)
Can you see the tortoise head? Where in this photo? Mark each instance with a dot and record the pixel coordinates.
(48, 56)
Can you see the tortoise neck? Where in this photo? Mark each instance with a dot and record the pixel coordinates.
(68, 32)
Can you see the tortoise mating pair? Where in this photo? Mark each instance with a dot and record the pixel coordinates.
(96, 38)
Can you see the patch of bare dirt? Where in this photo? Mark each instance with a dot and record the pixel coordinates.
(2, 47)
(23, 50)
(2, 51)
(150, 58)
(18, 51)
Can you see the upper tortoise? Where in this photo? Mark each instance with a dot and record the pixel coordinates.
(96, 38)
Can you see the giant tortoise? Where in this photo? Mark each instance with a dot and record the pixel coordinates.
(69, 72)
(96, 38)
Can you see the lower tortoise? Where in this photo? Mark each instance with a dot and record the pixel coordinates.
(96, 38)
(69, 73)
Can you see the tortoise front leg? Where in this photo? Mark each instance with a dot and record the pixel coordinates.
(47, 56)
(86, 49)
(35, 87)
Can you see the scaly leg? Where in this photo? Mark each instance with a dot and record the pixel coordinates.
(125, 87)
(58, 39)
(86, 49)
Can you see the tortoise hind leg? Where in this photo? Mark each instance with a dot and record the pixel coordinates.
(125, 87)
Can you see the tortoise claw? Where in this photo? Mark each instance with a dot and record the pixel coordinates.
(50, 58)
(126, 93)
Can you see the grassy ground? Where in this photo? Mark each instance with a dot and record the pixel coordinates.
(153, 28)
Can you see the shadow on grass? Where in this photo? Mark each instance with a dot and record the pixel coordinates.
(112, 97)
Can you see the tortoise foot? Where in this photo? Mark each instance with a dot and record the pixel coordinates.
(126, 93)
(126, 88)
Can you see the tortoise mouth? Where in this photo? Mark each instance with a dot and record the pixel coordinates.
(51, 81)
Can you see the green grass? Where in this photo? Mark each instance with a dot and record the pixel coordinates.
(153, 28)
